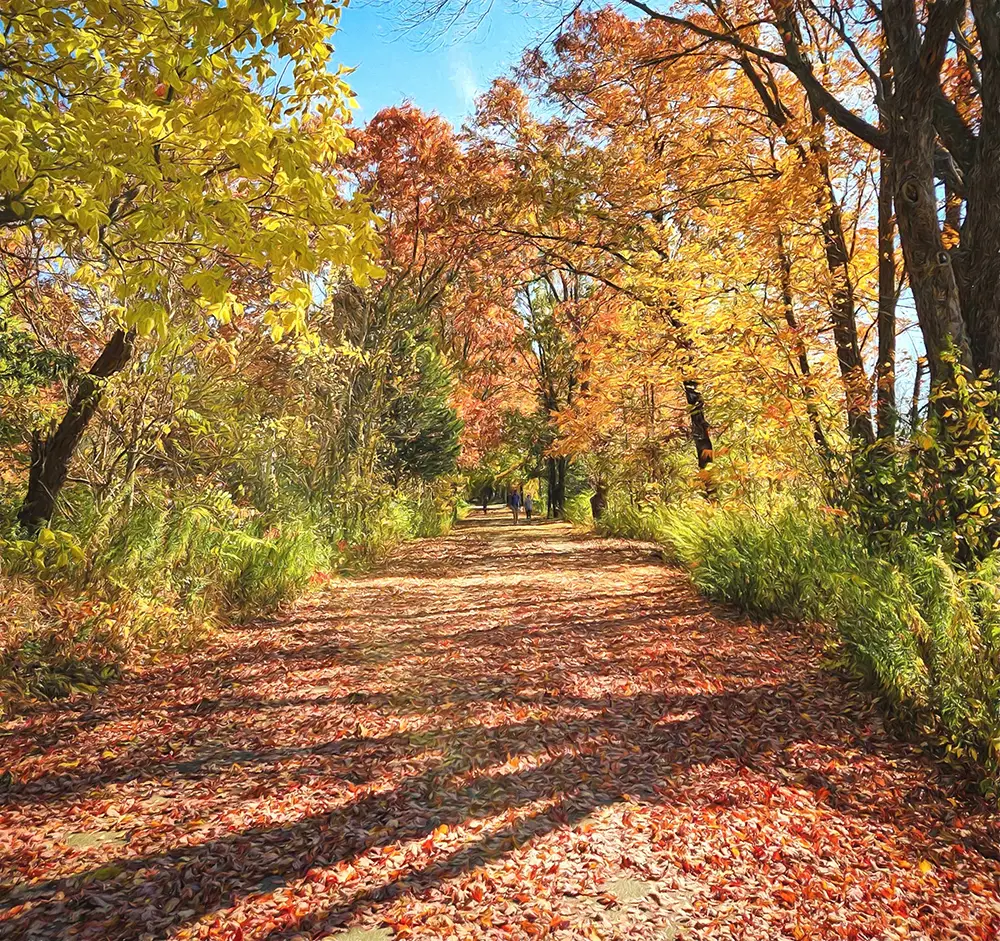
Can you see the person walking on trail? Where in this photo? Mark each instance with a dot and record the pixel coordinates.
(515, 505)
(486, 502)
(528, 507)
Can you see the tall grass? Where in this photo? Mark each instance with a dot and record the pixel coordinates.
(157, 569)
(199, 551)
(924, 634)
(424, 512)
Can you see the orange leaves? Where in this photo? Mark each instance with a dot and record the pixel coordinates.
(599, 754)
(505, 103)
(677, 193)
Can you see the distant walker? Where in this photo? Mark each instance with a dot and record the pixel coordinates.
(515, 505)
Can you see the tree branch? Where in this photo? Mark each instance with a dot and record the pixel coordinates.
(799, 67)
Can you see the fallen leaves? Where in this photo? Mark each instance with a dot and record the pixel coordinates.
(502, 735)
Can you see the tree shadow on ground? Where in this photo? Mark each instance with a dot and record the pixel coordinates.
(755, 729)
(578, 697)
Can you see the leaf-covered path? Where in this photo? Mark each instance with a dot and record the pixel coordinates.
(503, 734)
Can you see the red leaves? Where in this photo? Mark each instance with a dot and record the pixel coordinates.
(594, 754)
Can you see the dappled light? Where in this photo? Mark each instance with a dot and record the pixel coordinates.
(542, 484)
(505, 733)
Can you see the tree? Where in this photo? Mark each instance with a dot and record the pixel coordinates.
(635, 81)
(423, 431)
(155, 152)
(939, 121)
(669, 187)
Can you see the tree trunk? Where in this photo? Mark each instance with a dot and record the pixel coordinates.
(557, 487)
(885, 368)
(51, 456)
(700, 429)
(809, 393)
(980, 250)
(563, 464)
(915, 398)
(599, 501)
(912, 138)
(843, 313)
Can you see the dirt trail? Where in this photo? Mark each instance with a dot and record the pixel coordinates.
(503, 734)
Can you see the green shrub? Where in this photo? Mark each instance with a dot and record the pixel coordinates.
(119, 579)
(427, 512)
(270, 570)
(923, 633)
(577, 509)
(646, 521)
(942, 484)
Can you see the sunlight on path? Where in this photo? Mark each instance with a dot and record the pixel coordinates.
(508, 733)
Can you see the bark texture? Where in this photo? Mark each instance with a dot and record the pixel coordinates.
(885, 368)
(51, 456)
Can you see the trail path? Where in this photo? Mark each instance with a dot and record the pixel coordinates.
(503, 734)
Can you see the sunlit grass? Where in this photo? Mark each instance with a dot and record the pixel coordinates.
(924, 634)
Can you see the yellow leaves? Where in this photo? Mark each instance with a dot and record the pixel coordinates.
(50, 550)
(252, 157)
(224, 311)
(289, 315)
(297, 295)
(147, 317)
(266, 21)
(212, 285)
(46, 538)
(363, 270)
(16, 166)
(174, 152)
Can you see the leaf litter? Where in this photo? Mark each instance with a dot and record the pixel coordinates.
(507, 733)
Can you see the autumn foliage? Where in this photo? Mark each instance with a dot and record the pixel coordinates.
(722, 278)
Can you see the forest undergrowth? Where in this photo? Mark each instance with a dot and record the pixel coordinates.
(922, 632)
(105, 588)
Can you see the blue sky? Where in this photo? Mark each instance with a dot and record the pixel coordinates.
(437, 71)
